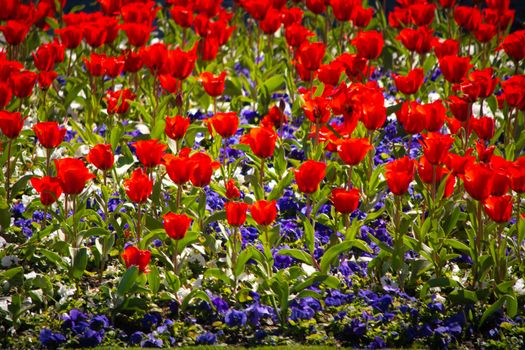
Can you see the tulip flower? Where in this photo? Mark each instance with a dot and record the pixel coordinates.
(101, 156)
(49, 134)
(135, 257)
(399, 174)
(264, 212)
(224, 124)
(309, 176)
(310, 55)
(202, 168)
(49, 189)
(345, 201)
(149, 152)
(353, 151)
(369, 44)
(72, 174)
(410, 83)
(138, 187)
(176, 225)
(232, 192)
(213, 85)
(176, 127)
(236, 213)
(454, 68)
(498, 208)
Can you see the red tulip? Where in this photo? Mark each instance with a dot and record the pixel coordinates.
(293, 15)
(411, 117)
(274, 119)
(72, 174)
(132, 61)
(353, 151)
(49, 134)
(48, 187)
(514, 46)
(181, 63)
(400, 17)
(361, 16)
(436, 146)
(45, 79)
(178, 167)
(316, 109)
(460, 108)
(448, 47)
(399, 174)
(514, 91)
(182, 15)
(155, 58)
(483, 127)
(236, 213)
(138, 34)
(70, 36)
(447, 3)
(224, 124)
(149, 152)
(478, 181)
(176, 127)
(454, 68)
(356, 67)
(101, 156)
(330, 73)
(202, 168)
(426, 171)
(434, 114)
(485, 32)
(11, 123)
(261, 141)
(416, 40)
(498, 208)
(296, 34)
(15, 31)
(316, 6)
(118, 101)
(469, 18)
(22, 83)
(345, 202)
(373, 110)
(369, 44)
(309, 176)
(343, 9)
(310, 55)
(135, 257)
(138, 187)
(422, 14)
(213, 85)
(271, 22)
(257, 8)
(232, 192)
(94, 34)
(5, 94)
(517, 177)
(264, 212)
(208, 48)
(410, 83)
(113, 66)
(176, 225)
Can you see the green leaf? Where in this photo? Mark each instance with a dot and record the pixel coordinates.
(154, 279)
(298, 254)
(492, 309)
(274, 83)
(309, 234)
(277, 190)
(218, 274)
(79, 261)
(242, 259)
(128, 280)
(333, 252)
(393, 109)
(195, 294)
(457, 245)
(11, 273)
(20, 185)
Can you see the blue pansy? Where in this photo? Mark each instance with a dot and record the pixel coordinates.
(235, 318)
(50, 339)
(206, 338)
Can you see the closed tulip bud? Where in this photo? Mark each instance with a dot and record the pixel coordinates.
(478, 181)
(369, 44)
(72, 174)
(399, 174)
(224, 124)
(49, 134)
(11, 124)
(236, 213)
(353, 151)
(176, 225)
(410, 83)
(213, 85)
(176, 127)
(150, 152)
(261, 141)
(232, 192)
(101, 156)
(264, 212)
(345, 201)
(436, 146)
(498, 208)
(309, 176)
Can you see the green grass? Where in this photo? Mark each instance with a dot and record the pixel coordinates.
(219, 347)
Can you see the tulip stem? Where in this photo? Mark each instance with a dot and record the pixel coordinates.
(139, 218)
(268, 247)
(175, 257)
(308, 206)
(179, 197)
(261, 180)
(75, 227)
(434, 185)
(8, 172)
(350, 169)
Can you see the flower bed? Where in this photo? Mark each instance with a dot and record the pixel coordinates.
(271, 173)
